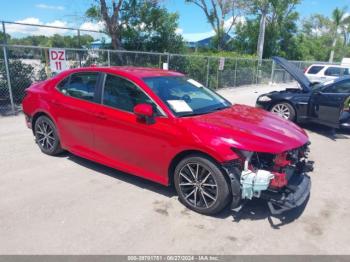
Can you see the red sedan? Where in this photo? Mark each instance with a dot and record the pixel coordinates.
(165, 127)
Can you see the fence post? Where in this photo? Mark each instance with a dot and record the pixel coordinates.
(272, 71)
(235, 80)
(208, 67)
(217, 75)
(109, 57)
(258, 65)
(168, 60)
(7, 69)
(79, 44)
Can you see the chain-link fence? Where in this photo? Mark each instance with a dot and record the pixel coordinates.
(20, 66)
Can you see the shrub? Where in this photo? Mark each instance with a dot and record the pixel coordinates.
(21, 78)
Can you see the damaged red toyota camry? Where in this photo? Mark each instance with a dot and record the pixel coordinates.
(168, 128)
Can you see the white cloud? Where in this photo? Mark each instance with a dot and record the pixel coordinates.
(179, 31)
(92, 26)
(52, 7)
(99, 26)
(194, 37)
(35, 30)
(228, 22)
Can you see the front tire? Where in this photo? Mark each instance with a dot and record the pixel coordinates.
(284, 110)
(46, 136)
(201, 185)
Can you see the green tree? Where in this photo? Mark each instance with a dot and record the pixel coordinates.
(54, 41)
(151, 28)
(138, 24)
(317, 39)
(280, 31)
(339, 19)
(222, 15)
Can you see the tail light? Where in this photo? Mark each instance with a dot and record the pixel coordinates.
(305, 69)
(279, 180)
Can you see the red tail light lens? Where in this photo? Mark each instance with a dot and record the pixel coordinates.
(279, 181)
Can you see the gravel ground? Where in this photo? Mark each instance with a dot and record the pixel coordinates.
(69, 205)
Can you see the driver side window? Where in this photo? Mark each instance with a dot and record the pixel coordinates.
(339, 88)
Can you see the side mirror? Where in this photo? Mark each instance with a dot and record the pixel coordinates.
(144, 112)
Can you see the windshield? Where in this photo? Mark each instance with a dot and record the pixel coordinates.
(186, 97)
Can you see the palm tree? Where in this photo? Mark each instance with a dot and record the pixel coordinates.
(339, 19)
(264, 6)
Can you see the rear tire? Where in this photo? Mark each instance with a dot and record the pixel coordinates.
(46, 136)
(201, 185)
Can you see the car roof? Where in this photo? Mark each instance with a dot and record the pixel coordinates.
(140, 72)
(328, 65)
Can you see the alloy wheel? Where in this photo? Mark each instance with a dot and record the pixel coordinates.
(45, 136)
(282, 110)
(198, 186)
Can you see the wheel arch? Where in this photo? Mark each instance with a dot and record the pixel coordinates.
(38, 114)
(181, 155)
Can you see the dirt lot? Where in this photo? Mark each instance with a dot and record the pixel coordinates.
(68, 205)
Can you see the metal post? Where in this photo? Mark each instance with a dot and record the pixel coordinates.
(168, 60)
(109, 57)
(217, 77)
(7, 69)
(208, 67)
(258, 65)
(235, 81)
(272, 71)
(79, 44)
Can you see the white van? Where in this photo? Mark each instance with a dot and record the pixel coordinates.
(318, 73)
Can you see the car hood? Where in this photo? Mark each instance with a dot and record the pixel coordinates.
(295, 72)
(247, 128)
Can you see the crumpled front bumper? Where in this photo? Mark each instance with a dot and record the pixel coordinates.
(292, 196)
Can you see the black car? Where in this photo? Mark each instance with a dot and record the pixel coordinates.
(326, 103)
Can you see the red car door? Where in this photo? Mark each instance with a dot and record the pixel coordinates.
(74, 109)
(126, 143)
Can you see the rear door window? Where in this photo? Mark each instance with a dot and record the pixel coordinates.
(333, 71)
(313, 70)
(80, 85)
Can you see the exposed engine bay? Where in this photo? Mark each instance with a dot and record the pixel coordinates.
(280, 179)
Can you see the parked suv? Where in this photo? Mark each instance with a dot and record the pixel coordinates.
(318, 73)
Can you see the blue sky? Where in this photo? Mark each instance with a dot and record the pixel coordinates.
(192, 24)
